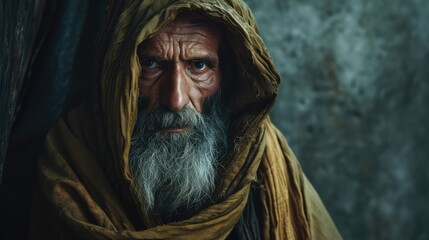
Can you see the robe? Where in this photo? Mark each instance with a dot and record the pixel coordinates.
(85, 186)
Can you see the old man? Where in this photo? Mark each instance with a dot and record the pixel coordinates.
(176, 142)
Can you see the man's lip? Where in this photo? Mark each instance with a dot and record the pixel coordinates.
(172, 130)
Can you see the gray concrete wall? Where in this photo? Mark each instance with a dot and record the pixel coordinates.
(353, 106)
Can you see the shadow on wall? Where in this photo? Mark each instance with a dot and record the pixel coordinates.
(353, 106)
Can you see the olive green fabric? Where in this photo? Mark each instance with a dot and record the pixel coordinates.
(85, 184)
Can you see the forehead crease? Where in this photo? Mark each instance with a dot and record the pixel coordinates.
(194, 38)
(194, 35)
(199, 49)
(198, 36)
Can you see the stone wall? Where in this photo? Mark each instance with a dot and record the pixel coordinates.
(353, 106)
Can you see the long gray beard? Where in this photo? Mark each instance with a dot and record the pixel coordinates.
(178, 170)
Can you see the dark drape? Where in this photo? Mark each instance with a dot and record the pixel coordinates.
(46, 50)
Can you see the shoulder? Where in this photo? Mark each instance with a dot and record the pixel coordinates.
(283, 161)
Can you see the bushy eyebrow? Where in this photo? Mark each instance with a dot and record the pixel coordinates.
(212, 61)
(147, 57)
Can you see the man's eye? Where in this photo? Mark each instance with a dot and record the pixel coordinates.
(199, 65)
(150, 63)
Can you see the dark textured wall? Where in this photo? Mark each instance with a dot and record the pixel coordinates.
(353, 105)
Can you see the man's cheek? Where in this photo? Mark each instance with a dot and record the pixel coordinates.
(143, 103)
(140, 86)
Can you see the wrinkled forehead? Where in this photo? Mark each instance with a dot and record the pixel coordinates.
(190, 23)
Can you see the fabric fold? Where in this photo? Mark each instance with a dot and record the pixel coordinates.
(85, 181)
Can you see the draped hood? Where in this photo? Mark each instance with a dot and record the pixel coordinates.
(85, 179)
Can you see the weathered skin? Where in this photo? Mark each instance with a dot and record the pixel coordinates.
(180, 65)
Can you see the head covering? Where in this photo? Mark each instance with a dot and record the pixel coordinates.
(84, 172)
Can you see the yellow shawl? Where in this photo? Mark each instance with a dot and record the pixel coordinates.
(85, 184)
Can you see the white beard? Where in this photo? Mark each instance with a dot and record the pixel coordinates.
(178, 170)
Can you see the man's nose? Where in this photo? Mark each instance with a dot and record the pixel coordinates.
(175, 90)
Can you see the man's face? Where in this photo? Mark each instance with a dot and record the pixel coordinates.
(180, 66)
(181, 128)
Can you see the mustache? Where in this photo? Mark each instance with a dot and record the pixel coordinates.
(162, 117)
